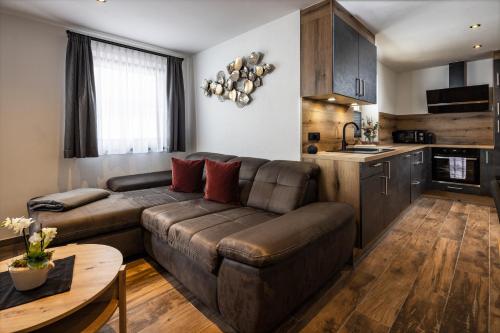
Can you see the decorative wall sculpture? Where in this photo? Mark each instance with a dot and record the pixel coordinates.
(244, 76)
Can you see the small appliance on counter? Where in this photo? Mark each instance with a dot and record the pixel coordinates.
(412, 136)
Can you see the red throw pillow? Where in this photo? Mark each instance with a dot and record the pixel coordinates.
(222, 181)
(187, 175)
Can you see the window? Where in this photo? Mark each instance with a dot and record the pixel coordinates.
(131, 97)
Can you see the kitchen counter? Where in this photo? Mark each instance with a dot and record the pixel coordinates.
(398, 149)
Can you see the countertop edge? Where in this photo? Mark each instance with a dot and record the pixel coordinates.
(399, 149)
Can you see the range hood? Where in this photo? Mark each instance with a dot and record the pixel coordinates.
(459, 97)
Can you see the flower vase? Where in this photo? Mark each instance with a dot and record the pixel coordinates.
(26, 278)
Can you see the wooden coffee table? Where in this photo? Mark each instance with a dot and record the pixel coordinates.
(97, 290)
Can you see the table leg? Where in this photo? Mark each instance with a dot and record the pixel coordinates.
(122, 300)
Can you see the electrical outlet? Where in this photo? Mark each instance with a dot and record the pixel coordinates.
(313, 136)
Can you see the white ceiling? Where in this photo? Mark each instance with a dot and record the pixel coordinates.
(418, 34)
(410, 34)
(187, 26)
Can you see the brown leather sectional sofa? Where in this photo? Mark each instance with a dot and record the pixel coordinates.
(254, 262)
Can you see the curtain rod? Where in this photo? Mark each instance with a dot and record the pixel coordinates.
(124, 45)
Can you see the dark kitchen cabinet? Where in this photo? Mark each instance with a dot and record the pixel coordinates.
(496, 110)
(385, 193)
(399, 187)
(487, 171)
(345, 59)
(338, 56)
(367, 70)
(354, 63)
(496, 70)
(373, 203)
(420, 172)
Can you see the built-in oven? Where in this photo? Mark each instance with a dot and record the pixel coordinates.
(456, 166)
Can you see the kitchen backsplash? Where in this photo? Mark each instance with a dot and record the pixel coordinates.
(449, 128)
(328, 119)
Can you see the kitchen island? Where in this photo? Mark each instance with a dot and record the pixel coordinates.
(382, 185)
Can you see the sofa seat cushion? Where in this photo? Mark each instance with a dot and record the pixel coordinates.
(198, 238)
(158, 196)
(117, 212)
(114, 213)
(159, 219)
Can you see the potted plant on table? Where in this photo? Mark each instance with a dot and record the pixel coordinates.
(30, 271)
(370, 130)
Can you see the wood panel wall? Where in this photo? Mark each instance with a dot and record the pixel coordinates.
(328, 119)
(448, 128)
(387, 123)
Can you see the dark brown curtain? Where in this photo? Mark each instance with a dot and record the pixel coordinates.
(176, 117)
(80, 135)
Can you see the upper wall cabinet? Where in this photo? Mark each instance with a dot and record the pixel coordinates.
(338, 56)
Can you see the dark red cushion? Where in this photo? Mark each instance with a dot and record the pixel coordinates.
(187, 175)
(222, 181)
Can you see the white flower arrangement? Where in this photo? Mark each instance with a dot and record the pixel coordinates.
(36, 244)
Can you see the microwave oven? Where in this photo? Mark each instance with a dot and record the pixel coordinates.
(412, 136)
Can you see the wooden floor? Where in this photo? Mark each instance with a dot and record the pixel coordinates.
(436, 270)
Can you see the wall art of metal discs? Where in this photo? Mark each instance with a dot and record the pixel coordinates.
(244, 76)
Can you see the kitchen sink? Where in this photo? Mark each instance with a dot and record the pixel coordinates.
(363, 150)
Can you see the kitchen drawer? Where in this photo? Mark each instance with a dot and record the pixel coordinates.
(417, 188)
(460, 188)
(372, 168)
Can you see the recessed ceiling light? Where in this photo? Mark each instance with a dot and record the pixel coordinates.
(475, 26)
(331, 99)
(476, 46)
(101, 1)
(354, 104)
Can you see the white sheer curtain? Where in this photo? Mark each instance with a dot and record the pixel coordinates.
(131, 98)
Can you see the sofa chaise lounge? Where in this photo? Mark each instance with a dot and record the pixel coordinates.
(254, 262)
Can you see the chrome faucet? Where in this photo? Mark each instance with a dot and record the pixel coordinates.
(344, 143)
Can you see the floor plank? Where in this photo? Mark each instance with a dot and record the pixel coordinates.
(358, 323)
(423, 309)
(467, 308)
(456, 220)
(436, 270)
(495, 272)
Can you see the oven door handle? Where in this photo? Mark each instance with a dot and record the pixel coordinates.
(447, 157)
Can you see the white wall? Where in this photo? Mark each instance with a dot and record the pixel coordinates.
(411, 86)
(386, 94)
(269, 126)
(32, 62)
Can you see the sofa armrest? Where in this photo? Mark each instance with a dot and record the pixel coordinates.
(280, 238)
(140, 181)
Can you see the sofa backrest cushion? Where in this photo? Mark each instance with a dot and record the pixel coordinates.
(282, 186)
(209, 156)
(139, 181)
(248, 170)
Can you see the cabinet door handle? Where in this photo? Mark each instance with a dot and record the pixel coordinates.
(357, 87)
(498, 79)
(421, 157)
(498, 108)
(415, 182)
(362, 87)
(455, 188)
(388, 169)
(375, 165)
(498, 125)
(487, 158)
(386, 186)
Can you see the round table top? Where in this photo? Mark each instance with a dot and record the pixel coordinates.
(95, 269)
